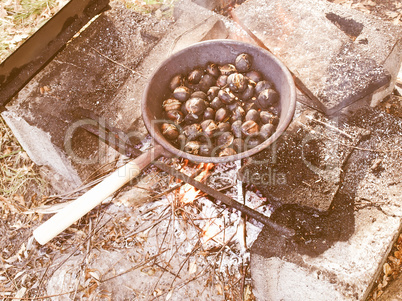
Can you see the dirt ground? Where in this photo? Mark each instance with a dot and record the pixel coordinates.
(114, 245)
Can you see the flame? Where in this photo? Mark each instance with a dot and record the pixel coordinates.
(189, 193)
(210, 231)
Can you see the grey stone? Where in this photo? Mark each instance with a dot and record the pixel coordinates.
(87, 74)
(104, 70)
(304, 166)
(343, 258)
(340, 55)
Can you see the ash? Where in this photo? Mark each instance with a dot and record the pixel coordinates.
(198, 240)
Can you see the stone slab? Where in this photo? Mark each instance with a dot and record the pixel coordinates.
(87, 74)
(104, 70)
(340, 55)
(304, 166)
(342, 253)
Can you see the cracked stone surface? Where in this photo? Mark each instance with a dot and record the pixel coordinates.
(339, 255)
(305, 165)
(104, 70)
(340, 55)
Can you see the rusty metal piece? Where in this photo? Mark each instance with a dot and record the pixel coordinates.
(25, 62)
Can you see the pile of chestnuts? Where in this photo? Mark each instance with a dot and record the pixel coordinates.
(220, 110)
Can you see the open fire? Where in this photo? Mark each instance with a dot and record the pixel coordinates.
(188, 193)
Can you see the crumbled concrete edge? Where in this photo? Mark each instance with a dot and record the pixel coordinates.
(393, 65)
(346, 271)
(286, 278)
(46, 155)
(380, 270)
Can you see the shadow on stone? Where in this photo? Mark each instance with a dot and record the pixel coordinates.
(316, 231)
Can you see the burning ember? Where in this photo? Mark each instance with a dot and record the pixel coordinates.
(187, 192)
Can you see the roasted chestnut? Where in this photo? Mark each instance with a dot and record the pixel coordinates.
(243, 62)
(250, 128)
(252, 114)
(176, 81)
(209, 127)
(209, 113)
(192, 131)
(263, 85)
(237, 82)
(254, 76)
(222, 81)
(227, 69)
(206, 82)
(267, 117)
(238, 114)
(192, 147)
(216, 103)
(195, 76)
(267, 130)
(195, 106)
(222, 115)
(170, 131)
(227, 152)
(225, 139)
(182, 93)
(249, 106)
(267, 98)
(212, 92)
(236, 128)
(247, 93)
(231, 107)
(213, 69)
(199, 94)
(205, 150)
(192, 118)
(226, 96)
(171, 104)
(175, 116)
(223, 127)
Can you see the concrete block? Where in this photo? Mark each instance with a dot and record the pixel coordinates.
(346, 271)
(339, 255)
(304, 166)
(340, 55)
(87, 74)
(103, 70)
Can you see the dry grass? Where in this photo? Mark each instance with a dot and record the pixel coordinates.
(18, 173)
(19, 19)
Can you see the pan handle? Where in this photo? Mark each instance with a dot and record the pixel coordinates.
(85, 203)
